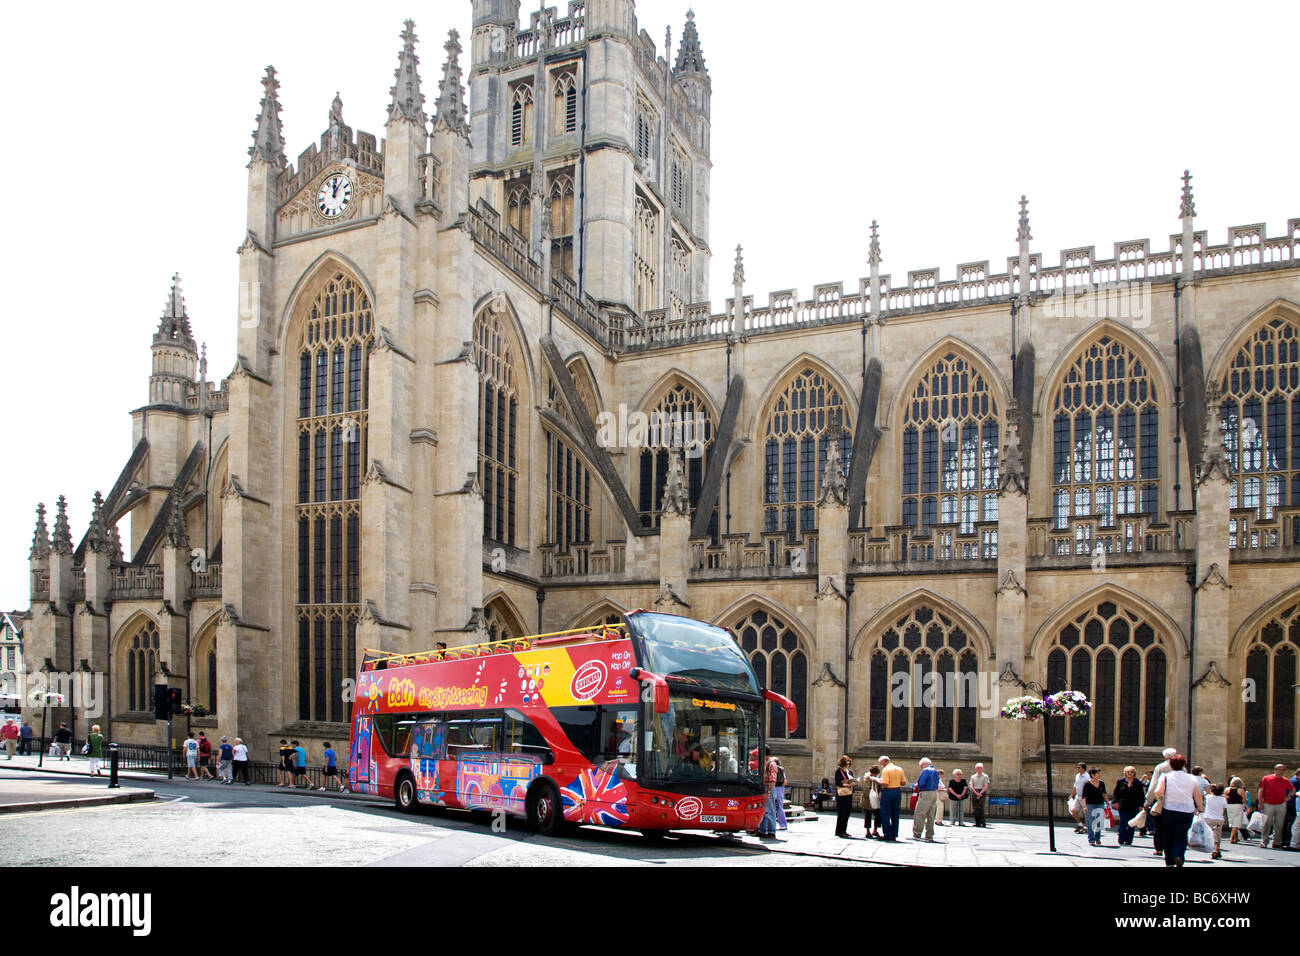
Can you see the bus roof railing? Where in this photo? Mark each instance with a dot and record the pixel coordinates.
(601, 632)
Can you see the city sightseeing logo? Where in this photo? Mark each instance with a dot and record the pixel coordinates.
(588, 680)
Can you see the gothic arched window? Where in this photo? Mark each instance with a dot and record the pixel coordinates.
(1119, 661)
(680, 188)
(1105, 439)
(678, 279)
(519, 209)
(679, 417)
(781, 665)
(497, 622)
(568, 496)
(498, 413)
(562, 224)
(1270, 696)
(566, 104)
(334, 370)
(1261, 422)
(141, 654)
(923, 681)
(646, 256)
(950, 448)
(521, 115)
(795, 440)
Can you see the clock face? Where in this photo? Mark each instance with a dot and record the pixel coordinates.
(334, 196)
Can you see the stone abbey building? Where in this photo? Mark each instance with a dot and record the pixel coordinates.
(464, 351)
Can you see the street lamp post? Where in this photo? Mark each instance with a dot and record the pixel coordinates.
(1037, 688)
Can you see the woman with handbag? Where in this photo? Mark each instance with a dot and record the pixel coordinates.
(1181, 796)
(871, 802)
(844, 784)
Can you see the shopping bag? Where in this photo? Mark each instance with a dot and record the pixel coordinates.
(1112, 820)
(1256, 824)
(1139, 821)
(1199, 836)
(875, 799)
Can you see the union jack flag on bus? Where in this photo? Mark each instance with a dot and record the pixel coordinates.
(596, 796)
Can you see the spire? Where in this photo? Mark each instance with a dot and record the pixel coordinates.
(97, 536)
(336, 110)
(174, 326)
(1188, 209)
(62, 540)
(1214, 453)
(177, 537)
(834, 487)
(676, 498)
(268, 138)
(690, 58)
(41, 537)
(1011, 474)
(408, 101)
(873, 250)
(451, 113)
(738, 273)
(1022, 234)
(115, 545)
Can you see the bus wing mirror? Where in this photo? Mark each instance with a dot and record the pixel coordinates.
(661, 701)
(791, 711)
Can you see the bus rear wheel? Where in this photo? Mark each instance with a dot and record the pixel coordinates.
(544, 813)
(404, 793)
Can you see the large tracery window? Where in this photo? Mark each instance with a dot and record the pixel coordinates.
(781, 666)
(680, 417)
(1261, 426)
(923, 681)
(1270, 696)
(950, 449)
(1105, 439)
(498, 413)
(678, 279)
(334, 368)
(797, 434)
(141, 666)
(1116, 658)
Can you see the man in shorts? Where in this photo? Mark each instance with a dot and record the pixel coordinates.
(286, 764)
(205, 757)
(63, 737)
(331, 771)
(191, 748)
(300, 770)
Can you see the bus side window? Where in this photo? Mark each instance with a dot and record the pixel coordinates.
(521, 737)
(487, 729)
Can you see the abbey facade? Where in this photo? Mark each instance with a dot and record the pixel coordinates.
(480, 392)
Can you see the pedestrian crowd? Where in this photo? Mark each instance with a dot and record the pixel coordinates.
(1181, 807)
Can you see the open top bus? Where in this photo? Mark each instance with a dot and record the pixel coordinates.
(652, 724)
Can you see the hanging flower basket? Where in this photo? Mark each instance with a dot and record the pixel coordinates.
(1066, 703)
(194, 710)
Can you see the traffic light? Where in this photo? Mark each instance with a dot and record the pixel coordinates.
(162, 703)
(174, 699)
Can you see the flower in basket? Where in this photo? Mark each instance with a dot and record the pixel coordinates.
(1066, 703)
(194, 710)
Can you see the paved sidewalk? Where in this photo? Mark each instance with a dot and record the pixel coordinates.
(1004, 843)
(20, 793)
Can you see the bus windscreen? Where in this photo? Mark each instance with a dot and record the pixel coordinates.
(693, 652)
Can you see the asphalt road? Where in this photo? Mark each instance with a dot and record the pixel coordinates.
(206, 824)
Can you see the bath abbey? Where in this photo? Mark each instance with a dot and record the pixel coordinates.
(481, 392)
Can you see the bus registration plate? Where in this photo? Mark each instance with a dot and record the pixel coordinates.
(713, 818)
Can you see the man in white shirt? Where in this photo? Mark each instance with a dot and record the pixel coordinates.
(1153, 820)
(979, 790)
(1076, 804)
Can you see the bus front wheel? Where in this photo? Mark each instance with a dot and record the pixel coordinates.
(544, 813)
(404, 793)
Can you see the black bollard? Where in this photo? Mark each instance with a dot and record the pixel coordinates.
(112, 766)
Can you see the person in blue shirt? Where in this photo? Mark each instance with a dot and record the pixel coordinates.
(300, 770)
(331, 771)
(927, 799)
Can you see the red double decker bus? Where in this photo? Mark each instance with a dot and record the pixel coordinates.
(652, 724)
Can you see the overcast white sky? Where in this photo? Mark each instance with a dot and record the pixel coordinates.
(127, 129)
